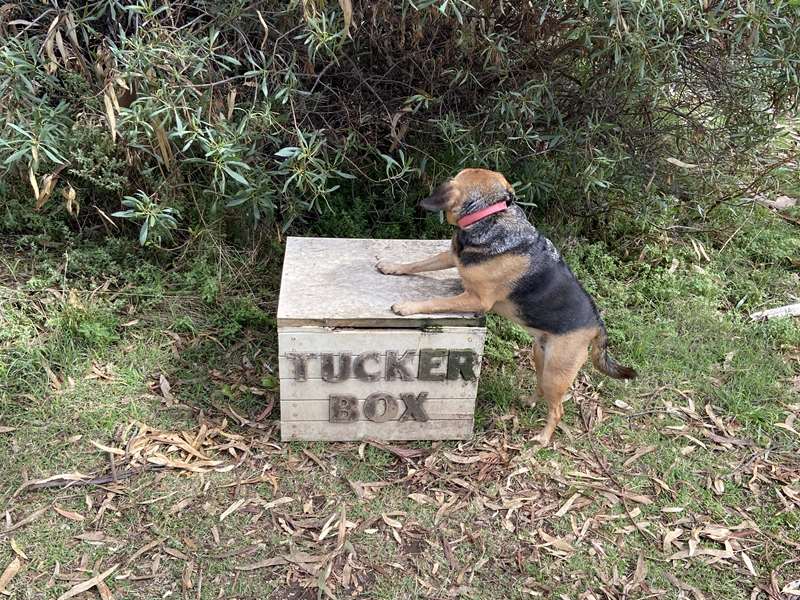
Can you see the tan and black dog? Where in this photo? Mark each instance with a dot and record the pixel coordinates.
(509, 268)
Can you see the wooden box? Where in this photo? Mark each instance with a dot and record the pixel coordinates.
(350, 369)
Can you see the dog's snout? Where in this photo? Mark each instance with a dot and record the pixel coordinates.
(439, 198)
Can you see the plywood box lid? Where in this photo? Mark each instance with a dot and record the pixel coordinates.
(334, 283)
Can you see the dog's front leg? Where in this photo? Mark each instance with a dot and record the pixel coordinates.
(443, 260)
(466, 302)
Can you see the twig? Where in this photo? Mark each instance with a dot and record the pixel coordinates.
(781, 312)
(743, 190)
(93, 481)
(320, 76)
(621, 488)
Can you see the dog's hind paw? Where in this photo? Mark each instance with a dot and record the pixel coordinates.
(389, 268)
(530, 401)
(542, 439)
(404, 309)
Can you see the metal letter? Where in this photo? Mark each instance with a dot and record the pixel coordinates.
(414, 409)
(461, 362)
(327, 368)
(343, 409)
(428, 361)
(299, 361)
(359, 369)
(395, 366)
(389, 407)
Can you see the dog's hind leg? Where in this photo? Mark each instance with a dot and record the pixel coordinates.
(538, 363)
(443, 260)
(564, 355)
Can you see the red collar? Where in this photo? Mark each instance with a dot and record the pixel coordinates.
(482, 214)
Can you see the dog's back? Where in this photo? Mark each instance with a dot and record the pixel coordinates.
(547, 296)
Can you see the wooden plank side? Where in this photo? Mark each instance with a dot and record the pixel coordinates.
(319, 410)
(411, 322)
(305, 407)
(364, 430)
(313, 365)
(318, 340)
(317, 389)
(311, 328)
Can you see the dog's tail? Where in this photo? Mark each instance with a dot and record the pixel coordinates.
(604, 362)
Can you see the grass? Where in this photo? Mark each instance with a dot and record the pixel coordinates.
(90, 330)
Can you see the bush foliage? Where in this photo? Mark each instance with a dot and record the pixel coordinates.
(176, 115)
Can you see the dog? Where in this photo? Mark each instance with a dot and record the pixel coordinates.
(509, 268)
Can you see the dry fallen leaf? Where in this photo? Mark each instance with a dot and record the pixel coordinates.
(9, 572)
(180, 505)
(792, 589)
(421, 498)
(108, 449)
(110, 116)
(558, 543)
(392, 522)
(670, 537)
(97, 537)
(70, 202)
(680, 163)
(17, 550)
(26, 521)
(87, 585)
(693, 552)
(328, 527)
(463, 460)
(165, 387)
(347, 11)
(641, 570)
(567, 505)
(68, 514)
(278, 502)
(186, 578)
(4, 429)
(749, 564)
(684, 586)
(270, 562)
(780, 203)
(638, 454)
(233, 508)
(105, 592)
(34, 183)
(146, 548)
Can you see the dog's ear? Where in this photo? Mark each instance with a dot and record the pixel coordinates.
(441, 199)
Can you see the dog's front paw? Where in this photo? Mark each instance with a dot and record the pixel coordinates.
(390, 268)
(404, 308)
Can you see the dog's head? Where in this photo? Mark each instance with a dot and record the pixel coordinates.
(468, 192)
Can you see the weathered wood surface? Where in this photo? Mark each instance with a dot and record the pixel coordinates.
(354, 341)
(364, 430)
(334, 282)
(436, 409)
(306, 349)
(316, 389)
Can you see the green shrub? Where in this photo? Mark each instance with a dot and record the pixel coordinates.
(223, 111)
